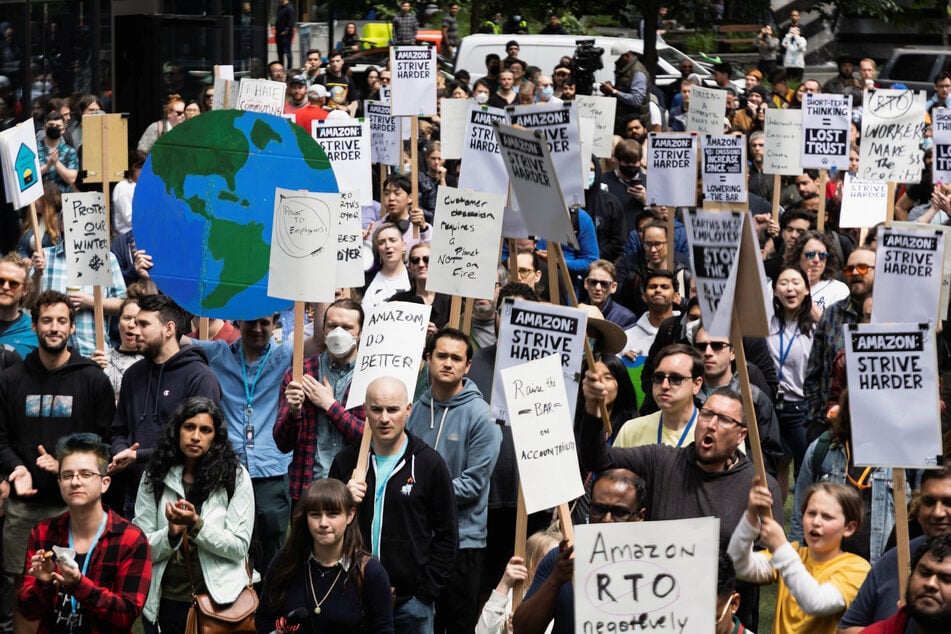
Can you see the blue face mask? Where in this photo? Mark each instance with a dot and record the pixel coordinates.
(548, 92)
(591, 177)
(927, 143)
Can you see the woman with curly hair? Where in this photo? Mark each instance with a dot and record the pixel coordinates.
(818, 257)
(194, 486)
(324, 568)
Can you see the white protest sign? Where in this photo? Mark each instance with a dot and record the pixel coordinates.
(513, 224)
(483, 168)
(893, 126)
(226, 94)
(303, 240)
(413, 86)
(714, 239)
(783, 148)
(465, 246)
(724, 168)
(87, 240)
(671, 162)
(945, 232)
(864, 202)
(893, 394)
(647, 576)
(21, 166)
(261, 95)
(908, 264)
(452, 129)
(384, 133)
(349, 242)
(535, 184)
(586, 139)
(825, 130)
(941, 133)
(346, 142)
(543, 433)
(600, 110)
(391, 344)
(531, 330)
(707, 110)
(559, 124)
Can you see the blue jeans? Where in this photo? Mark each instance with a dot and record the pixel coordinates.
(413, 617)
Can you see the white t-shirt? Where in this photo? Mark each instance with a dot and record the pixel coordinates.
(381, 288)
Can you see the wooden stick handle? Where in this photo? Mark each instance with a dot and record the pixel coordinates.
(99, 318)
(901, 531)
(821, 220)
(360, 471)
(35, 225)
(298, 363)
(521, 537)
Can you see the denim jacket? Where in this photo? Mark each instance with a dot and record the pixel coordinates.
(833, 469)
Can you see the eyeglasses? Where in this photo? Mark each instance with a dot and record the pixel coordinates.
(717, 346)
(13, 284)
(675, 380)
(811, 255)
(599, 511)
(706, 415)
(650, 246)
(590, 281)
(416, 258)
(861, 269)
(84, 476)
(522, 273)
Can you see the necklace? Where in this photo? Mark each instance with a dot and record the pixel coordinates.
(313, 594)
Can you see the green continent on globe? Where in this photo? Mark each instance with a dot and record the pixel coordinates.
(262, 134)
(239, 266)
(305, 142)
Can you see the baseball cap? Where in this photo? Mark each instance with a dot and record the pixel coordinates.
(317, 90)
(298, 79)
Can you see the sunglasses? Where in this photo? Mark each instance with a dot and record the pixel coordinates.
(416, 258)
(717, 346)
(599, 511)
(811, 255)
(675, 380)
(861, 269)
(13, 284)
(180, 113)
(590, 281)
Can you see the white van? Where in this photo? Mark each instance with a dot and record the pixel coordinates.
(545, 51)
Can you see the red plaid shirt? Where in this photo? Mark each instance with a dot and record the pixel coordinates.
(299, 433)
(111, 594)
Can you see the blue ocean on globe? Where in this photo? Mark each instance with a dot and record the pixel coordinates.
(204, 207)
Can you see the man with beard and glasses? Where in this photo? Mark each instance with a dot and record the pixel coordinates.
(155, 386)
(53, 393)
(927, 608)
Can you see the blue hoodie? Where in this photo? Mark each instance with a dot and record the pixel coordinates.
(463, 433)
(20, 335)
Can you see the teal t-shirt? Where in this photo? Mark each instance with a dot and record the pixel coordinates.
(384, 469)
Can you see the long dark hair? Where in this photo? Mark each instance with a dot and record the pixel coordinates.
(804, 316)
(216, 469)
(832, 260)
(624, 407)
(322, 495)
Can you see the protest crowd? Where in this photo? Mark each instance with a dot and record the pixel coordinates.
(163, 468)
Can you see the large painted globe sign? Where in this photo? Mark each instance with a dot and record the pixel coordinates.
(204, 205)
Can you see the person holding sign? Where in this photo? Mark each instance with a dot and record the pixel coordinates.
(453, 419)
(818, 580)
(417, 542)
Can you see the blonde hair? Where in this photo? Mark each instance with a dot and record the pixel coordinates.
(539, 545)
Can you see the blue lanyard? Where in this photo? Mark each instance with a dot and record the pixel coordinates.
(92, 546)
(784, 354)
(660, 428)
(249, 389)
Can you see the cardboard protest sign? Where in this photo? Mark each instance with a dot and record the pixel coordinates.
(529, 331)
(586, 139)
(782, 152)
(535, 184)
(714, 239)
(391, 344)
(945, 233)
(893, 394)
(642, 576)
(941, 133)
(349, 242)
(261, 95)
(825, 130)
(707, 110)
(671, 162)
(723, 168)
(465, 243)
(452, 129)
(543, 433)
(113, 128)
(21, 166)
(483, 168)
(87, 240)
(303, 240)
(908, 263)
(346, 142)
(559, 124)
(384, 133)
(600, 110)
(226, 88)
(864, 202)
(413, 86)
(893, 126)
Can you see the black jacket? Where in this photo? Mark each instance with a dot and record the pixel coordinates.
(419, 533)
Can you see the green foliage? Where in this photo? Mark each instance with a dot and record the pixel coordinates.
(386, 11)
(572, 25)
(881, 9)
(700, 42)
(600, 20)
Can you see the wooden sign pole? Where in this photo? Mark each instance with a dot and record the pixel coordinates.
(203, 327)
(298, 363)
(414, 159)
(99, 319)
(467, 316)
(455, 309)
(521, 537)
(513, 260)
(670, 240)
(777, 191)
(35, 225)
(890, 202)
(821, 220)
(360, 471)
(901, 528)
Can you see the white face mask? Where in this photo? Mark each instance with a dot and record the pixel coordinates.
(340, 342)
(591, 175)
(481, 98)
